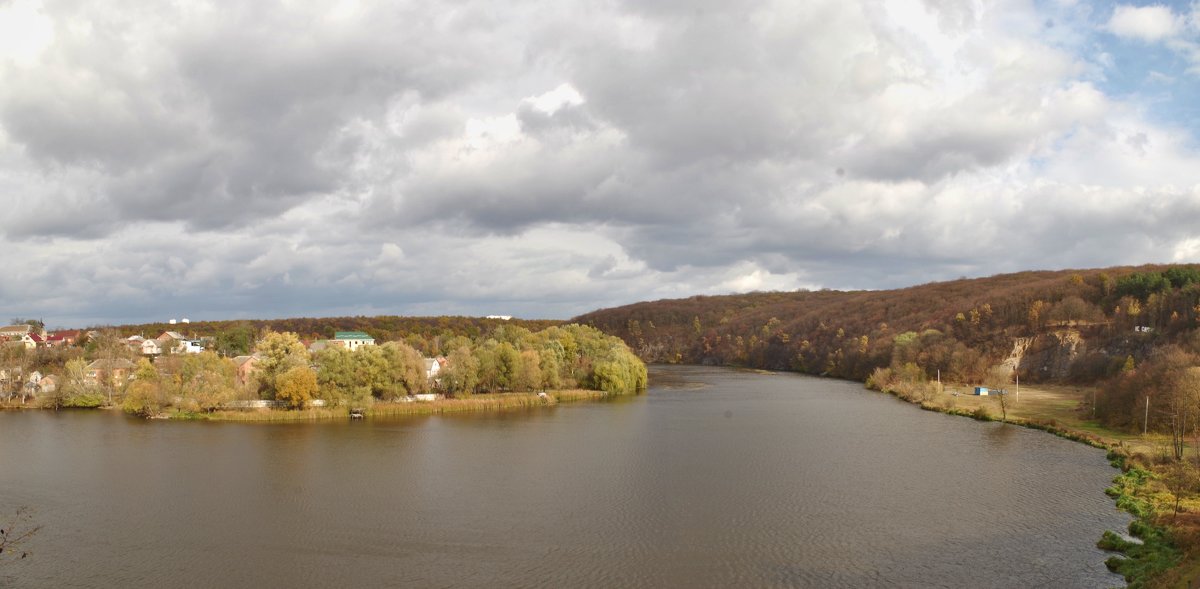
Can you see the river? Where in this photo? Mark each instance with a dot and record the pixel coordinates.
(714, 478)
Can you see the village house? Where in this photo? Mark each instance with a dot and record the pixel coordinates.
(433, 366)
(68, 337)
(246, 367)
(150, 348)
(352, 340)
(48, 384)
(169, 340)
(15, 332)
(175, 343)
(32, 340)
(111, 372)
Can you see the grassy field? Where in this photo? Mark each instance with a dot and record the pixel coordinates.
(1065, 407)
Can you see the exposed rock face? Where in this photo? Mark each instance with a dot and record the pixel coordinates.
(1020, 347)
(1047, 356)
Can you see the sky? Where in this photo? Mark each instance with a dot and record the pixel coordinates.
(218, 160)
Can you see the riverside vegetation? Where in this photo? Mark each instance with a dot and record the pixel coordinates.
(510, 361)
(1122, 344)
(493, 365)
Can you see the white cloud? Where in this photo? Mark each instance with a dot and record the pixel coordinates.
(550, 102)
(1146, 23)
(25, 31)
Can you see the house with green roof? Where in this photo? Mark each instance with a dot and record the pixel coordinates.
(352, 340)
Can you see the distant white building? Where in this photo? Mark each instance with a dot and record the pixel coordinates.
(501, 317)
(352, 340)
(433, 366)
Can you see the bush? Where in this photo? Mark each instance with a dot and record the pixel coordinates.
(88, 400)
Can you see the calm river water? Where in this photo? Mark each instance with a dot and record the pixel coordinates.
(715, 478)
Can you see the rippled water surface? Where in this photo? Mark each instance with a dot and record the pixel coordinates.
(715, 478)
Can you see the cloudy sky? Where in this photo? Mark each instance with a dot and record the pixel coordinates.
(546, 158)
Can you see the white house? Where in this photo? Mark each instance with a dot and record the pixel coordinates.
(150, 347)
(189, 347)
(352, 340)
(432, 367)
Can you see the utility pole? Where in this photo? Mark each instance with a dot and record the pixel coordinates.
(1018, 374)
(1146, 420)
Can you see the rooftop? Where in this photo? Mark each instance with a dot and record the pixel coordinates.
(352, 335)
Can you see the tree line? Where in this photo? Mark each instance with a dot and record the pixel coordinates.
(1099, 326)
(510, 358)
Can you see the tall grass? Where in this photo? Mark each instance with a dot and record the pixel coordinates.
(487, 402)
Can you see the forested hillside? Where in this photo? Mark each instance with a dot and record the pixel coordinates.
(1080, 326)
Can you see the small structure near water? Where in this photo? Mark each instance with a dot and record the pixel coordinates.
(984, 391)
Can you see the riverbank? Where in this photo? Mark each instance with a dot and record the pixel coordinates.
(493, 402)
(1165, 550)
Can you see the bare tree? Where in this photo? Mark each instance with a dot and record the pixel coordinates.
(1182, 403)
(997, 379)
(15, 534)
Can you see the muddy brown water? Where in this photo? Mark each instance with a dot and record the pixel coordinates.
(715, 478)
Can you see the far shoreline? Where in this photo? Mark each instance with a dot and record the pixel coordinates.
(477, 403)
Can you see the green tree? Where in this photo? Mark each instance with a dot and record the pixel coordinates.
(144, 396)
(508, 364)
(236, 340)
(207, 381)
(404, 370)
(461, 374)
(77, 390)
(279, 353)
(529, 371)
(336, 377)
(551, 370)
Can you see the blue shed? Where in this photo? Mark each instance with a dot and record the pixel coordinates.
(981, 391)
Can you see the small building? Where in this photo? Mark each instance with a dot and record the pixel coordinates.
(246, 367)
(432, 367)
(150, 348)
(981, 391)
(112, 372)
(189, 347)
(15, 332)
(48, 384)
(32, 340)
(64, 337)
(353, 340)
